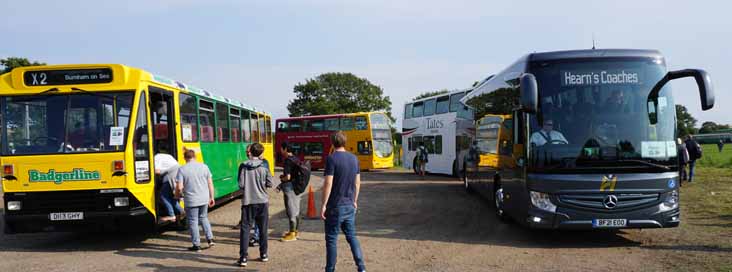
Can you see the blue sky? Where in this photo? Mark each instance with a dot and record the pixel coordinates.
(256, 51)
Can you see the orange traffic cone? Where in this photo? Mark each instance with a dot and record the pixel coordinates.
(311, 204)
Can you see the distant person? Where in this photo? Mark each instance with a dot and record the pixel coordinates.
(195, 184)
(340, 202)
(695, 153)
(254, 181)
(720, 145)
(547, 134)
(422, 158)
(683, 158)
(292, 200)
(167, 167)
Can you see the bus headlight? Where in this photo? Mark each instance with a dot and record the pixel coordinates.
(542, 201)
(14, 205)
(671, 202)
(121, 201)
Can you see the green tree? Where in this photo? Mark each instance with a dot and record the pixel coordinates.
(11, 63)
(332, 93)
(685, 123)
(430, 94)
(712, 127)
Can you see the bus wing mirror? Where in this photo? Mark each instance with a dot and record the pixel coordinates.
(703, 82)
(529, 93)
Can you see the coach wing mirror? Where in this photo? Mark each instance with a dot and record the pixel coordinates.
(529, 93)
(703, 81)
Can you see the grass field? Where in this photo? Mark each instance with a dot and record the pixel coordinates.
(713, 158)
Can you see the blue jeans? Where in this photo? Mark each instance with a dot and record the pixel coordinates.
(172, 206)
(194, 215)
(341, 218)
(691, 169)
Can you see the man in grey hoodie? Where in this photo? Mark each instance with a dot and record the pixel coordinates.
(254, 181)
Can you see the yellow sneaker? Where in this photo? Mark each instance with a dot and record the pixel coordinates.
(290, 236)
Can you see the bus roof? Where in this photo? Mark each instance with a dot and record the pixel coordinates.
(325, 116)
(519, 66)
(121, 75)
(439, 95)
(594, 53)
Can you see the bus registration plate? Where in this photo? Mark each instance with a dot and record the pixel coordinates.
(609, 223)
(67, 216)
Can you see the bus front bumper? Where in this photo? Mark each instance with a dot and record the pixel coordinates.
(564, 218)
(73, 211)
(28, 223)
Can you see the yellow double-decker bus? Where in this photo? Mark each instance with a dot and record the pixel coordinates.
(78, 143)
(368, 133)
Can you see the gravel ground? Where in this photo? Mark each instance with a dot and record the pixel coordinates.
(404, 224)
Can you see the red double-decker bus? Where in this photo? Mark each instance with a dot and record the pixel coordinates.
(368, 133)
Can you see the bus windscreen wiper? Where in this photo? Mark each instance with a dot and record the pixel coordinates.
(91, 93)
(49, 91)
(654, 165)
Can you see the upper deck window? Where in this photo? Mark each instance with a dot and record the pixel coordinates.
(443, 105)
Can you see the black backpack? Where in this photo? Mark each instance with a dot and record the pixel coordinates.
(698, 150)
(300, 176)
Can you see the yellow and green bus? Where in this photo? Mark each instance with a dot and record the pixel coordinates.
(78, 143)
(368, 133)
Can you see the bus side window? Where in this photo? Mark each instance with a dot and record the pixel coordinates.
(142, 144)
(268, 128)
(364, 148)
(438, 144)
(246, 129)
(222, 121)
(188, 118)
(361, 123)
(255, 127)
(346, 123)
(235, 123)
(206, 119)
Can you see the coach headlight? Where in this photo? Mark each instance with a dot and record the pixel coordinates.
(542, 201)
(121, 201)
(14, 205)
(671, 202)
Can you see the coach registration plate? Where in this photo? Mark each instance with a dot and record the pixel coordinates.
(67, 216)
(609, 223)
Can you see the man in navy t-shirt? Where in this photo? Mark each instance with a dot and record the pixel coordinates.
(340, 200)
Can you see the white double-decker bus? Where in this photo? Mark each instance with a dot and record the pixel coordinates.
(444, 125)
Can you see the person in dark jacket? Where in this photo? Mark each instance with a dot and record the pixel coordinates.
(695, 153)
(683, 158)
(254, 181)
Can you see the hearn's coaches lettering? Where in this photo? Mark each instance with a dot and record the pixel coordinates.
(573, 78)
(78, 174)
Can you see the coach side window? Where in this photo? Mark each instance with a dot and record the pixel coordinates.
(188, 118)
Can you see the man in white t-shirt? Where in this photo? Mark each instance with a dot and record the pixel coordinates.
(547, 134)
